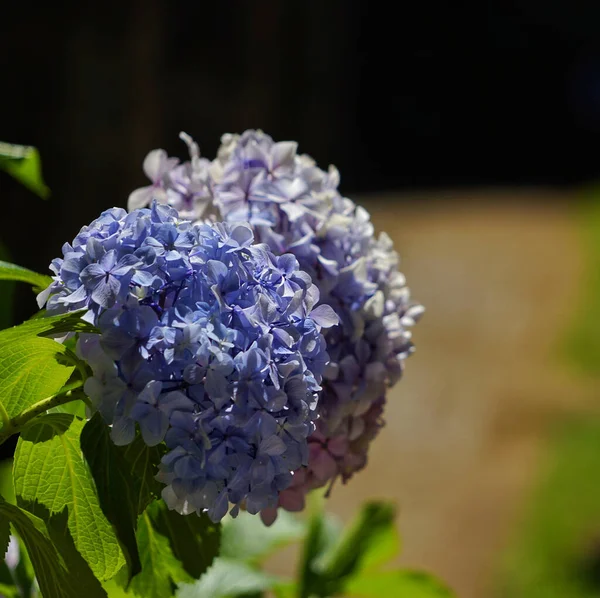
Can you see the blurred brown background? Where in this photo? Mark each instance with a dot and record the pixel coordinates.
(464, 129)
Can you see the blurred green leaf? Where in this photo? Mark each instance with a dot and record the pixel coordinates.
(49, 468)
(228, 578)
(323, 533)
(11, 591)
(161, 571)
(382, 545)
(582, 345)
(10, 271)
(285, 590)
(556, 551)
(359, 541)
(247, 538)
(23, 163)
(399, 584)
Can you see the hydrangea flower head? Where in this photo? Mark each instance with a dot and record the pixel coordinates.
(295, 207)
(207, 341)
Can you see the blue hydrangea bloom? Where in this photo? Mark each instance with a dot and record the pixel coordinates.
(295, 207)
(207, 341)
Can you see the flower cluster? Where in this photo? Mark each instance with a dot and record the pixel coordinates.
(294, 206)
(207, 342)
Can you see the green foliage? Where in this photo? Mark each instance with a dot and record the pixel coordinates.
(54, 326)
(77, 408)
(23, 163)
(118, 490)
(327, 567)
(13, 272)
(6, 484)
(82, 577)
(143, 463)
(34, 370)
(194, 540)
(399, 584)
(228, 578)
(4, 536)
(246, 538)
(583, 341)
(360, 543)
(354, 563)
(9, 591)
(53, 577)
(161, 571)
(49, 469)
(31, 368)
(555, 554)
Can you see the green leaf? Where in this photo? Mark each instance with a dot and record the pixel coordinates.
(228, 578)
(49, 468)
(4, 537)
(29, 369)
(55, 325)
(115, 590)
(285, 590)
(143, 464)
(24, 164)
(118, 490)
(8, 584)
(323, 533)
(13, 272)
(81, 575)
(9, 591)
(581, 347)
(400, 584)
(77, 408)
(553, 553)
(382, 546)
(52, 575)
(6, 481)
(194, 539)
(247, 538)
(161, 571)
(325, 570)
(375, 521)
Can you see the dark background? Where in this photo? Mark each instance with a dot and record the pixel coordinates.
(398, 95)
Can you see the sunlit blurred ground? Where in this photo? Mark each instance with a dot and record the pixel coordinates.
(501, 279)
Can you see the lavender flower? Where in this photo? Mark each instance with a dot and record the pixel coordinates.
(184, 187)
(207, 342)
(295, 207)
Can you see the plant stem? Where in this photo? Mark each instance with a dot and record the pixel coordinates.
(14, 425)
